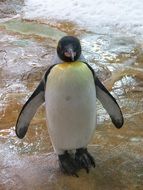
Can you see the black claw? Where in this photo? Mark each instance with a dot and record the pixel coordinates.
(91, 160)
(84, 159)
(76, 175)
(85, 163)
(68, 164)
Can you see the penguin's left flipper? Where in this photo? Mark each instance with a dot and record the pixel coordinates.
(29, 110)
(109, 103)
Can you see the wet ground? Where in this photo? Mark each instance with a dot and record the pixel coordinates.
(26, 48)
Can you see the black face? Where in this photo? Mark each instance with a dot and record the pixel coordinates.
(69, 49)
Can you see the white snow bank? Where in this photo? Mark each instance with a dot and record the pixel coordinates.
(90, 13)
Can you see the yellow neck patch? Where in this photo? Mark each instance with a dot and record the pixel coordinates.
(71, 68)
(70, 74)
(70, 64)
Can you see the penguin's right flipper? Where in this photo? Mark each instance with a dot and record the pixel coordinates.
(30, 107)
(29, 110)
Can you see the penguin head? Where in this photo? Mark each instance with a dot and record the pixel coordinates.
(69, 49)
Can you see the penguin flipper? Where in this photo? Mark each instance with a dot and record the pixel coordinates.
(109, 103)
(29, 110)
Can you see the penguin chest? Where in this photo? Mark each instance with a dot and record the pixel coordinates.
(70, 104)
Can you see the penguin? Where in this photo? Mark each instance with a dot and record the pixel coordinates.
(69, 89)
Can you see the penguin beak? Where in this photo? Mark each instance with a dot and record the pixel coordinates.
(70, 53)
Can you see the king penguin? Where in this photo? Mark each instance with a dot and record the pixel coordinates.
(69, 89)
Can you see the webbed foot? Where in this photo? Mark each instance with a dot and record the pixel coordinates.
(84, 159)
(68, 164)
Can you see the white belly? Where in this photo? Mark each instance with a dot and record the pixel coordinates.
(70, 106)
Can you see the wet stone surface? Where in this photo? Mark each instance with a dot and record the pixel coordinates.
(9, 8)
(30, 163)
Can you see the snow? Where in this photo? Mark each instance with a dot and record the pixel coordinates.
(124, 14)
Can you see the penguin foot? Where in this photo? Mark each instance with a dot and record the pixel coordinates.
(84, 159)
(68, 164)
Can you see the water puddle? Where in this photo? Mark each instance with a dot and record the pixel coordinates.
(33, 28)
